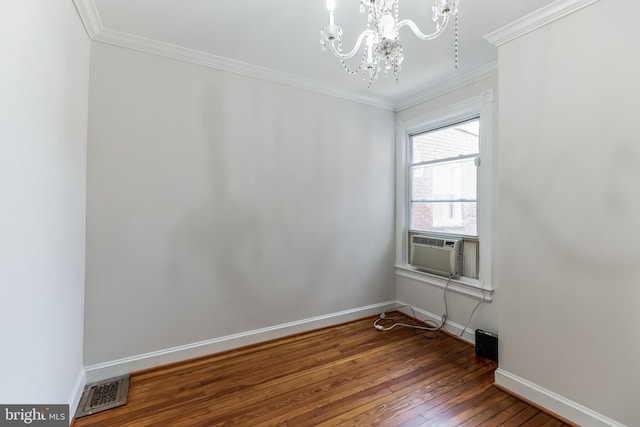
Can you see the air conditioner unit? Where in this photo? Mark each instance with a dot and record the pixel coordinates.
(436, 255)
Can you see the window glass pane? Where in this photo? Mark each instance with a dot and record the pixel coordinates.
(445, 217)
(453, 180)
(445, 143)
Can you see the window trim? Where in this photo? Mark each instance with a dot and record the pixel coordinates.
(481, 106)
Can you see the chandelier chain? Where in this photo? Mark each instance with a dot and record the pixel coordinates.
(455, 44)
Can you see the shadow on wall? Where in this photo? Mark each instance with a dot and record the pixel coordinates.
(255, 244)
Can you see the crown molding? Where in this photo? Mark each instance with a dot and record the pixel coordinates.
(97, 32)
(531, 22)
(448, 86)
(225, 64)
(89, 17)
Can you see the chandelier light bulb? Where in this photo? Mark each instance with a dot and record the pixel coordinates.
(370, 44)
(331, 5)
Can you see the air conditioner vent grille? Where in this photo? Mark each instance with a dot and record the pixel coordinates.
(421, 240)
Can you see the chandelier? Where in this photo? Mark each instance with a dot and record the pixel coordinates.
(381, 37)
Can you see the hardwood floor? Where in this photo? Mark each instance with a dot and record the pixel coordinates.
(347, 375)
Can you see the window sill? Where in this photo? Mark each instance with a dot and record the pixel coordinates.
(470, 287)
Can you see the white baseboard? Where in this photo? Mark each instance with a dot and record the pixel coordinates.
(76, 394)
(451, 327)
(555, 403)
(103, 371)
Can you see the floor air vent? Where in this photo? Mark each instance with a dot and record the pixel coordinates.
(98, 397)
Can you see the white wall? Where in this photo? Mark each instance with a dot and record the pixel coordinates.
(219, 204)
(427, 297)
(44, 80)
(569, 210)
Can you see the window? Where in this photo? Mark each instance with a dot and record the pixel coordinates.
(443, 179)
(444, 187)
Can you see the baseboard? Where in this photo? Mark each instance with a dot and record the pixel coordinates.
(103, 371)
(452, 327)
(76, 394)
(555, 403)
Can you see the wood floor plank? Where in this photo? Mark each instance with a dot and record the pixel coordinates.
(521, 417)
(404, 404)
(505, 414)
(345, 389)
(349, 375)
(539, 419)
(449, 394)
(553, 423)
(461, 407)
(484, 413)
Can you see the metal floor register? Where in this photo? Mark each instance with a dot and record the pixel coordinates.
(103, 395)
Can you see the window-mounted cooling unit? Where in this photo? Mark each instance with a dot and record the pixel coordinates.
(436, 255)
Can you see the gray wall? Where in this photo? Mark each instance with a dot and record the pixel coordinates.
(219, 204)
(569, 211)
(44, 80)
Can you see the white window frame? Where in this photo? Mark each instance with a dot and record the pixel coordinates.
(482, 107)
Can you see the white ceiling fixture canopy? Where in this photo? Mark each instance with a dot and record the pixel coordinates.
(382, 35)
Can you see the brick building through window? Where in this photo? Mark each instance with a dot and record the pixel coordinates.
(443, 179)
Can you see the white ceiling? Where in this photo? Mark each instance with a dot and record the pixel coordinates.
(280, 39)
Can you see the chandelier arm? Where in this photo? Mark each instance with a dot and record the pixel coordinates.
(356, 48)
(409, 23)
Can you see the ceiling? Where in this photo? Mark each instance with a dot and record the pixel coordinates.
(280, 39)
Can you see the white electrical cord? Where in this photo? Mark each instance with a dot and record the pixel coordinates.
(431, 326)
(394, 324)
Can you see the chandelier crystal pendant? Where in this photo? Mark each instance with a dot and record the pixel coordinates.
(381, 37)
